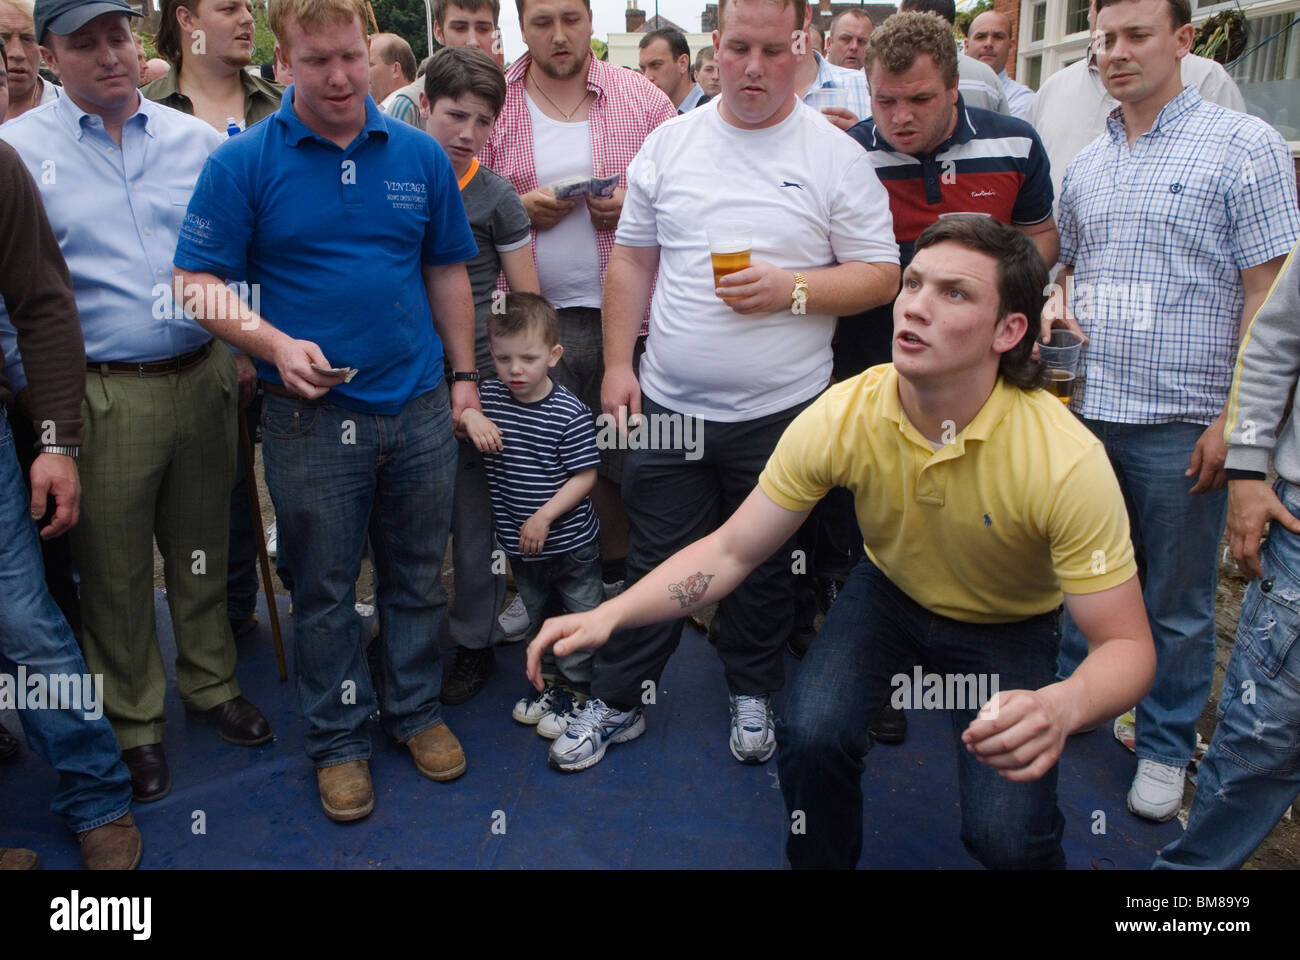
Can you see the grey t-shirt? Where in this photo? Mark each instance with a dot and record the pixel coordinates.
(499, 223)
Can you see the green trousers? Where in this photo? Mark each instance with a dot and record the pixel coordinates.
(157, 461)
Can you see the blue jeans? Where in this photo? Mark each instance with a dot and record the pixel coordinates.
(1251, 773)
(872, 632)
(94, 784)
(335, 476)
(575, 577)
(1180, 535)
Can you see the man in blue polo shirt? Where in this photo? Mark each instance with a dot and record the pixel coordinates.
(351, 228)
(936, 156)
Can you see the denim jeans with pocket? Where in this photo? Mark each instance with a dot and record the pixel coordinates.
(94, 785)
(872, 633)
(575, 577)
(335, 476)
(1180, 533)
(1251, 773)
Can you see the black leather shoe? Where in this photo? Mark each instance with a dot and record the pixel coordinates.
(150, 778)
(9, 746)
(890, 726)
(238, 722)
(242, 627)
(469, 674)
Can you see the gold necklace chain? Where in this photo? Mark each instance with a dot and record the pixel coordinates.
(568, 117)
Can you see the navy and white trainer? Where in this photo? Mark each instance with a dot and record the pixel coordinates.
(562, 714)
(753, 738)
(530, 710)
(584, 742)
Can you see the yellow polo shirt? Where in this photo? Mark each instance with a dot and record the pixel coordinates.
(990, 528)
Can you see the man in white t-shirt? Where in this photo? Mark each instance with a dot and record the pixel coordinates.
(721, 379)
(569, 115)
(1071, 106)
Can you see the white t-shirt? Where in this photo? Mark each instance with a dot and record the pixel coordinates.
(568, 261)
(813, 200)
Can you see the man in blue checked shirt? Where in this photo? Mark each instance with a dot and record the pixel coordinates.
(115, 172)
(1174, 223)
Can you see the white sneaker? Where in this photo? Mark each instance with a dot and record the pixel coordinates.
(753, 739)
(553, 725)
(514, 620)
(612, 590)
(591, 732)
(272, 540)
(530, 710)
(1157, 791)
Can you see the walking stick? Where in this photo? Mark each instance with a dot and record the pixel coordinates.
(259, 534)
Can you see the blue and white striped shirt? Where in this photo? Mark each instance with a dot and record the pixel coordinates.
(544, 444)
(1158, 234)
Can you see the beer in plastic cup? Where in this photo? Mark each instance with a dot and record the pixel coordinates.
(729, 245)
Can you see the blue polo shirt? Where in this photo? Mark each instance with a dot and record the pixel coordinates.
(329, 239)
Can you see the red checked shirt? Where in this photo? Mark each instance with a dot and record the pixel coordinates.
(627, 107)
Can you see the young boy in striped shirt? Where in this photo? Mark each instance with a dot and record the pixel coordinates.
(539, 452)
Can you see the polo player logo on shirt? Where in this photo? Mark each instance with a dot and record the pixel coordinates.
(1175, 188)
(791, 183)
(988, 521)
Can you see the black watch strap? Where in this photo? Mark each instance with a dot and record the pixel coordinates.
(471, 375)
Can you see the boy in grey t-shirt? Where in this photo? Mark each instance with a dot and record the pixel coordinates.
(463, 92)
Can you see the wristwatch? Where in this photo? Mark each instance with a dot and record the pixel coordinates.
(72, 452)
(471, 375)
(799, 295)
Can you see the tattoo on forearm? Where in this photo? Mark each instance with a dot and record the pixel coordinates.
(691, 589)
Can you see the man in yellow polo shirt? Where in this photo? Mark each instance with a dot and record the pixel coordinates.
(983, 503)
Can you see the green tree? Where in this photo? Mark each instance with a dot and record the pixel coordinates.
(964, 17)
(406, 19)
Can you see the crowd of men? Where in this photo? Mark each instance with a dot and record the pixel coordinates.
(324, 258)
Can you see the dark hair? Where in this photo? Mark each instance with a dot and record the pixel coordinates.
(676, 41)
(395, 49)
(455, 71)
(167, 41)
(520, 5)
(1180, 11)
(944, 8)
(860, 12)
(1021, 282)
(898, 41)
(524, 313)
(473, 6)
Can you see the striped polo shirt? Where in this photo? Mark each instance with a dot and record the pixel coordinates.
(544, 443)
(992, 164)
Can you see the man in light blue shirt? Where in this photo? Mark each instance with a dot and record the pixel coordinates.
(1174, 223)
(115, 172)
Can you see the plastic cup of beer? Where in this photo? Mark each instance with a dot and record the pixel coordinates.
(729, 244)
(1060, 358)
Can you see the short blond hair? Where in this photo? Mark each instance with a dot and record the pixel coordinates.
(800, 10)
(26, 7)
(312, 13)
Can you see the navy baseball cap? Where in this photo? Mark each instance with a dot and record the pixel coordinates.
(69, 16)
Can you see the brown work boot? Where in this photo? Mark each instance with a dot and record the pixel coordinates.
(345, 790)
(18, 859)
(114, 846)
(437, 753)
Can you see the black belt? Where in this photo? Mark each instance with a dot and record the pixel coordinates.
(279, 390)
(155, 368)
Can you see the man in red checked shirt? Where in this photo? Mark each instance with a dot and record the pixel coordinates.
(567, 115)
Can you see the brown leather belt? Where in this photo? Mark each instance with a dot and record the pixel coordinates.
(154, 368)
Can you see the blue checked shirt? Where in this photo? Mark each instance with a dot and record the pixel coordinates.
(847, 88)
(1158, 234)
